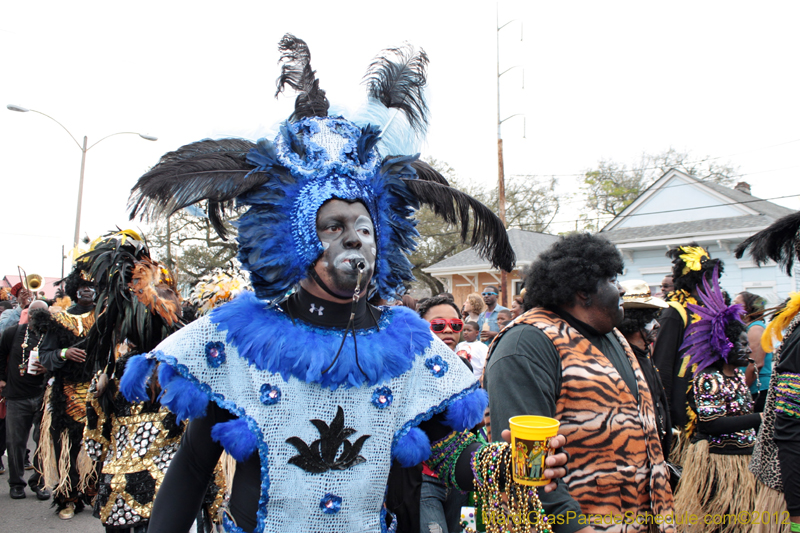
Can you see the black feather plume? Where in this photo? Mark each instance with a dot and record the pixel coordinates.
(397, 79)
(217, 171)
(428, 173)
(488, 235)
(780, 242)
(296, 72)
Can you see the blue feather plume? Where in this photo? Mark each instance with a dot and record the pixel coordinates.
(236, 437)
(467, 412)
(412, 449)
(133, 384)
(268, 339)
(180, 395)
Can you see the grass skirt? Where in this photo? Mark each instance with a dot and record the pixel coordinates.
(772, 509)
(715, 486)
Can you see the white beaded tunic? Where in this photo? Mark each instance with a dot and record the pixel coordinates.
(278, 406)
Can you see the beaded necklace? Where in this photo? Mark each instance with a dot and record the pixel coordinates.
(26, 354)
(518, 509)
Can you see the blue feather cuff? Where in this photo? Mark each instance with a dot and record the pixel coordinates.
(412, 449)
(133, 384)
(180, 395)
(236, 437)
(467, 412)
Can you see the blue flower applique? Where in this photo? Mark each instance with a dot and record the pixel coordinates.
(215, 354)
(382, 397)
(270, 395)
(436, 365)
(330, 504)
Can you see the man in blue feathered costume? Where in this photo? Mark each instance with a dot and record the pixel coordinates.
(311, 389)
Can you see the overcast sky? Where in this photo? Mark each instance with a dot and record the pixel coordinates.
(601, 80)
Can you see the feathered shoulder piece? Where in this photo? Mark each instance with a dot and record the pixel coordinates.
(136, 297)
(369, 157)
(218, 287)
(773, 333)
(780, 242)
(706, 340)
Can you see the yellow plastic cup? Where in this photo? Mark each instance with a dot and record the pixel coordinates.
(530, 446)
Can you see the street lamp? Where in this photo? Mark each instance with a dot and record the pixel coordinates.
(84, 149)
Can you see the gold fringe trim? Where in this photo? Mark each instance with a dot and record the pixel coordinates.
(715, 485)
(772, 506)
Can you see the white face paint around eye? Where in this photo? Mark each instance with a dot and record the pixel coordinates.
(325, 245)
(650, 325)
(365, 230)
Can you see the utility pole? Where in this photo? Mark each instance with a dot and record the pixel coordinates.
(501, 181)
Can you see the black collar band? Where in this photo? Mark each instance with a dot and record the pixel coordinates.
(319, 312)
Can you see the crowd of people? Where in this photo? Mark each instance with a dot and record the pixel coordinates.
(311, 394)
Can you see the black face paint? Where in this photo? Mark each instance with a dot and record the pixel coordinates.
(740, 354)
(608, 302)
(348, 236)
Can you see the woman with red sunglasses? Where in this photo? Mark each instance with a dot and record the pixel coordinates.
(439, 504)
(443, 316)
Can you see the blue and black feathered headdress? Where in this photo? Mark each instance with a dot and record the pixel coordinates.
(314, 158)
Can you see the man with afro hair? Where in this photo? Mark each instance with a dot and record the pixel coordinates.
(690, 264)
(563, 358)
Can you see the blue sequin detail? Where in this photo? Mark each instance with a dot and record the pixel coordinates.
(330, 504)
(427, 415)
(220, 400)
(436, 365)
(382, 397)
(270, 395)
(215, 354)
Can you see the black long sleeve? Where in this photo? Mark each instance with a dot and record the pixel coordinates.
(181, 494)
(6, 342)
(666, 355)
(729, 424)
(436, 430)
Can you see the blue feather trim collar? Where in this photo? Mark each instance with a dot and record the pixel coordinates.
(268, 339)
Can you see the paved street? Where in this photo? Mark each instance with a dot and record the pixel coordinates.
(32, 516)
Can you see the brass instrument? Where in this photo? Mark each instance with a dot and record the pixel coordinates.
(31, 282)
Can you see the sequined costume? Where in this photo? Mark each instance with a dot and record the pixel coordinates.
(312, 390)
(69, 471)
(716, 481)
(325, 442)
(133, 442)
(776, 457)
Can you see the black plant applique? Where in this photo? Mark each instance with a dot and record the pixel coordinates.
(321, 455)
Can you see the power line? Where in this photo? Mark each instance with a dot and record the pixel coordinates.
(688, 208)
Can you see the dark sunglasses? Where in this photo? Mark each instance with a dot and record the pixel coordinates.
(438, 325)
(488, 294)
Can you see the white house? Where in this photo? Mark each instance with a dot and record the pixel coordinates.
(678, 209)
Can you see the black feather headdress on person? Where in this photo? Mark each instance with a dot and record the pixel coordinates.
(136, 301)
(370, 156)
(780, 242)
